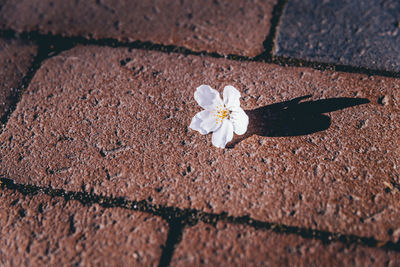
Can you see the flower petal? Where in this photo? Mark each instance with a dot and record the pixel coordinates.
(240, 121)
(231, 97)
(223, 135)
(210, 123)
(207, 97)
(195, 124)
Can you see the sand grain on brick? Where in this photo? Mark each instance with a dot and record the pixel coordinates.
(15, 58)
(237, 245)
(43, 231)
(224, 26)
(115, 122)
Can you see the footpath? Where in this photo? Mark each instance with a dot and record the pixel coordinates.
(98, 165)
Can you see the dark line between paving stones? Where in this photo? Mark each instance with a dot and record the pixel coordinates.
(269, 41)
(180, 218)
(264, 57)
(46, 48)
(293, 62)
(110, 42)
(175, 233)
(51, 45)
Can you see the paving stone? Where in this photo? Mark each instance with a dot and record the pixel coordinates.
(114, 121)
(359, 33)
(237, 245)
(43, 231)
(212, 26)
(15, 57)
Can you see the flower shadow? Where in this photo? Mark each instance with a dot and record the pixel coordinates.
(294, 118)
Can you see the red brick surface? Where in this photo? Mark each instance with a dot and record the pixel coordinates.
(15, 58)
(43, 231)
(224, 26)
(237, 245)
(88, 122)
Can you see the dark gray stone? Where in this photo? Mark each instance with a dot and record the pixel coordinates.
(359, 33)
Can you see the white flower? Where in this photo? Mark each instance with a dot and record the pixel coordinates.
(220, 117)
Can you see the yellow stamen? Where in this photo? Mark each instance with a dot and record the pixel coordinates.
(221, 113)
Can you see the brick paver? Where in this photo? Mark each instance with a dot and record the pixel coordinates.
(223, 26)
(359, 33)
(43, 231)
(115, 122)
(238, 245)
(15, 57)
(121, 180)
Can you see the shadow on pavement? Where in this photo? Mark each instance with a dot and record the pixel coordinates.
(292, 118)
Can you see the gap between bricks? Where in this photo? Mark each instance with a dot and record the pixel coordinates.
(178, 219)
(50, 45)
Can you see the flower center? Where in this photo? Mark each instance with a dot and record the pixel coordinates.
(221, 113)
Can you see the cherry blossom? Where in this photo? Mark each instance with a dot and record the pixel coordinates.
(222, 118)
